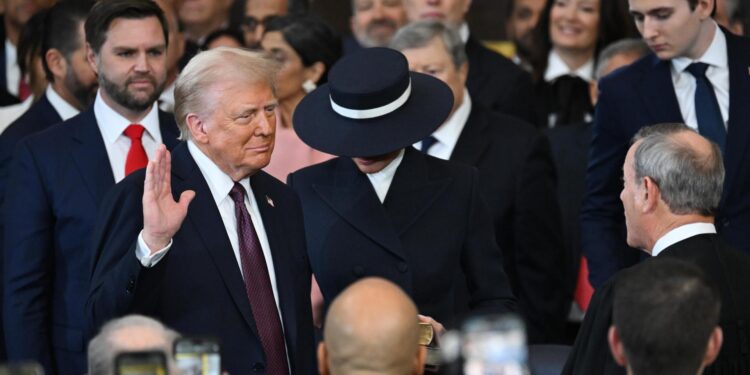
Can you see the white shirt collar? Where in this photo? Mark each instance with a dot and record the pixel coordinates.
(681, 233)
(112, 124)
(381, 180)
(63, 108)
(448, 133)
(557, 68)
(715, 55)
(463, 32)
(219, 182)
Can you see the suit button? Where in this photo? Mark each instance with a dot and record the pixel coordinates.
(403, 267)
(359, 271)
(725, 224)
(131, 286)
(258, 367)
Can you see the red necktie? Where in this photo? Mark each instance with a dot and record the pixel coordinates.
(24, 90)
(258, 287)
(137, 157)
(584, 291)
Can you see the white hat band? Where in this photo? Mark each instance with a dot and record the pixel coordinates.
(361, 114)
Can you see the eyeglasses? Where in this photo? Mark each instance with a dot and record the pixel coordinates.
(251, 23)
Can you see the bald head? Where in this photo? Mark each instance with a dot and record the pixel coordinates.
(371, 327)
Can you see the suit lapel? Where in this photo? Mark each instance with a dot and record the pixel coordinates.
(471, 144)
(207, 222)
(353, 198)
(738, 133)
(657, 90)
(48, 112)
(272, 218)
(90, 155)
(412, 191)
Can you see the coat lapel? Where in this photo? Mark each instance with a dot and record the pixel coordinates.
(272, 219)
(169, 131)
(412, 191)
(207, 222)
(738, 133)
(90, 155)
(353, 198)
(657, 90)
(471, 144)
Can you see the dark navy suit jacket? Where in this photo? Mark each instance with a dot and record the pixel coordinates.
(57, 180)
(517, 181)
(640, 95)
(197, 288)
(431, 236)
(40, 116)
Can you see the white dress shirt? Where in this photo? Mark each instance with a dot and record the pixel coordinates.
(12, 112)
(112, 125)
(557, 68)
(381, 181)
(166, 99)
(448, 133)
(463, 32)
(681, 233)
(12, 71)
(62, 107)
(717, 73)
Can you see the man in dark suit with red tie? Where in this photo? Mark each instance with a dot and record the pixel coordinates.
(59, 176)
(697, 75)
(232, 264)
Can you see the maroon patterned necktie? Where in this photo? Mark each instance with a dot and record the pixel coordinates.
(258, 287)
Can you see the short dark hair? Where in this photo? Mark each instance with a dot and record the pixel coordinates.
(105, 11)
(62, 24)
(226, 32)
(665, 311)
(311, 38)
(30, 40)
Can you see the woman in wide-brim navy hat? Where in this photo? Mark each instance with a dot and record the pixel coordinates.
(372, 105)
(384, 209)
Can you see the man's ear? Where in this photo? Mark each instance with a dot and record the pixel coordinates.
(714, 346)
(420, 360)
(322, 359)
(91, 58)
(615, 346)
(56, 63)
(197, 128)
(651, 194)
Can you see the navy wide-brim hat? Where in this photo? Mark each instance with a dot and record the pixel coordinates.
(372, 105)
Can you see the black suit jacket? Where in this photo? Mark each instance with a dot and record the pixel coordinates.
(197, 288)
(431, 236)
(6, 98)
(496, 83)
(57, 180)
(517, 181)
(40, 116)
(639, 95)
(727, 267)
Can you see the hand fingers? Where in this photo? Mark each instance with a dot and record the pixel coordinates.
(439, 328)
(185, 198)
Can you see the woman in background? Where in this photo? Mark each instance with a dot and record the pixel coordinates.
(306, 48)
(568, 38)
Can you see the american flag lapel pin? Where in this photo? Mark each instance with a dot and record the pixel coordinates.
(270, 201)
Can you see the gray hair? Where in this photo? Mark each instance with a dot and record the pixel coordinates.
(691, 181)
(102, 349)
(419, 34)
(631, 46)
(215, 66)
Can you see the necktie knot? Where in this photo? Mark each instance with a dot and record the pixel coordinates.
(134, 131)
(427, 143)
(237, 193)
(697, 69)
